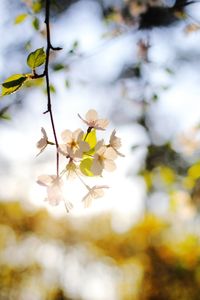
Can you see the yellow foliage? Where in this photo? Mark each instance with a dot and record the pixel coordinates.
(149, 261)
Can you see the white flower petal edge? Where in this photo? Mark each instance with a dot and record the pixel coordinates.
(93, 193)
(115, 143)
(54, 188)
(43, 142)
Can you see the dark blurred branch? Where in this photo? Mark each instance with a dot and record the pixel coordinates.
(46, 74)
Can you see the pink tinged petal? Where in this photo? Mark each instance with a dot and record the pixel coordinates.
(119, 153)
(115, 142)
(42, 143)
(54, 194)
(109, 165)
(77, 135)
(91, 116)
(68, 205)
(40, 151)
(71, 170)
(102, 124)
(96, 168)
(87, 200)
(99, 145)
(94, 193)
(44, 133)
(46, 180)
(112, 136)
(63, 149)
(110, 153)
(70, 152)
(84, 146)
(101, 187)
(82, 118)
(77, 153)
(66, 136)
(97, 193)
(101, 151)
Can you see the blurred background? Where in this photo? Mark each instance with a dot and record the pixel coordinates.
(137, 64)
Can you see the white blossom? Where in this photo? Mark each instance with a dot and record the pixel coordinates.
(115, 143)
(43, 142)
(72, 170)
(103, 159)
(93, 193)
(54, 189)
(73, 146)
(92, 120)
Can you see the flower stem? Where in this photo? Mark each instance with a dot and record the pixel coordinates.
(87, 187)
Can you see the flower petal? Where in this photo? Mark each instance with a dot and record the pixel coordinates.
(109, 165)
(102, 124)
(84, 146)
(96, 168)
(44, 133)
(71, 170)
(46, 180)
(42, 143)
(91, 115)
(77, 134)
(119, 153)
(82, 119)
(66, 136)
(110, 153)
(97, 192)
(63, 149)
(87, 199)
(54, 194)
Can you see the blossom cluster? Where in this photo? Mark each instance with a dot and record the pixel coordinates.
(85, 156)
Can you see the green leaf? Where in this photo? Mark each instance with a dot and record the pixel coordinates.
(58, 67)
(36, 24)
(6, 117)
(20, 18)
(3, 113)
(67, 84)
(85, 167)
(13, 83)
(36, 58)
(52, 88)
(155, 97)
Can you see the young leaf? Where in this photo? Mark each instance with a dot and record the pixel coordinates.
(52, 88)
(36, 7)
(20, 18)
(36, 58)
(91, 139)
(6, 117)
(58, 67)
(3, 113)
(36, 23)
(85, 166)
(13, 83)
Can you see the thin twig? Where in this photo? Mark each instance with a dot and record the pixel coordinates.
(46, 74)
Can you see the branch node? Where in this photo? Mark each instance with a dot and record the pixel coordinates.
(55, 48)
(46, 111)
